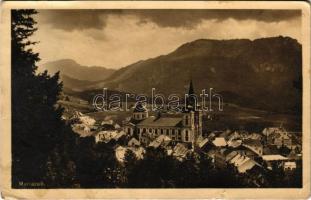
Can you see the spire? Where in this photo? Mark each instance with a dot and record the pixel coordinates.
(191, 90)
(191, 99)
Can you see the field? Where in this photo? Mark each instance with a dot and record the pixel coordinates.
(232, 117)
(236, 117)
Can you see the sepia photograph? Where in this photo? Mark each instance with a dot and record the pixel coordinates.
(165, 98)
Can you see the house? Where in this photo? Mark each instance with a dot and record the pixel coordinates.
(270, 150)
(82, 124)
(139, 152)
(220, 157)
(145, 139)
(242, 163)
(206, 145)
(295, 144)
(133, 142)
(256, 176)
(108, 121)
(180, 151)
(234, 136)
(254, 145)
(245, 151)
(283, 139)
(107, 136)
(212, 135)
(274, 158)
(290, 165)
(277, 136)
(234, 143)
(119, 135)
(121, 150)
(294, 156)
(75, 118)
(160, 141)
(225, 134)
(107, 127)
(199, 139)
(223, 157)
(219, 142)
(270, 159)
(231, 155)
(120, 153)
(244, 134)
(84, 119)
(272, 130)
(253, 136)
(211, 154)
(117, 126)
(82, 129)
(203, 143)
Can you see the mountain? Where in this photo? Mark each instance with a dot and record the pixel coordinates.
(74, 70)
(72, 84)
(263, 73)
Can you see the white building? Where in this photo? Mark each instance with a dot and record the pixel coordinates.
(183, 127)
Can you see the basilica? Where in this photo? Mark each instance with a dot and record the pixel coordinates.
(184, 127)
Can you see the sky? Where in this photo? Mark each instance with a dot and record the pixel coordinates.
(117, 38)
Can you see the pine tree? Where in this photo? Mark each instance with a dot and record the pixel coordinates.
(36, 121)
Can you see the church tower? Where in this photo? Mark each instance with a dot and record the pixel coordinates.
(193, 112)
(140, 112)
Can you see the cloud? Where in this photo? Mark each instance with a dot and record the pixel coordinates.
(124, 39)
(191, 18)
(70, 20)
(73, 19)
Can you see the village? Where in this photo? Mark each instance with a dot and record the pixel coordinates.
(181, 134)
(248, 152)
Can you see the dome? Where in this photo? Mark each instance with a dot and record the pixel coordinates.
(140, 108)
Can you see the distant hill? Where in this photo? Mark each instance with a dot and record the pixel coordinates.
(72, 84)
(72, 69)
(263, 73)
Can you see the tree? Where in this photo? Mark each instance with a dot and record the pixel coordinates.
(96, 165)
(188, 172)
(130, 162)
(155, 170)
(206, 168)
(61, 164)
(36, 120)
(275, 177)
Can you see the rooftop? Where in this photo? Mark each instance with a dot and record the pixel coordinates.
(161, 122)
(219, 141)
(162, 139)
(273, 157)
(180, 150)
(252, 142)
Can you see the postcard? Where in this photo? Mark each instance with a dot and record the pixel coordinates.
(155, 100)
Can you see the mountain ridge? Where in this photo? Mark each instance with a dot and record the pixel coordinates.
(262, 70)
(74, 70)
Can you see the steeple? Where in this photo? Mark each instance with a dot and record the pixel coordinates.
(191, 90)
(191, 99)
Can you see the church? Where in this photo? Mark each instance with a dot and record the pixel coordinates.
(184, 127)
